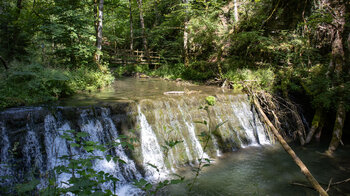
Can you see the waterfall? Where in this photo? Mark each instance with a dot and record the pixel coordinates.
(246, 120)
(32, 151)
(56, 147)
(41, 156)
(5, 170)
(35, 133)
(191, 132)
(195, 142)
(153, 160)
(103, 132)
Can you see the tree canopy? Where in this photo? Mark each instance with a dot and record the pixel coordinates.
(56, 48)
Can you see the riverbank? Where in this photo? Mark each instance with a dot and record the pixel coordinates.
(33, 84)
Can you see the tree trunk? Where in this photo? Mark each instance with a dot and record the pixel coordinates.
(144, 38)
(337, 129)
(186, 52)
(338, 65)
(236, 10)
(4, 63)
(290, 151)
(186, 59)
(100, 25)
(17, 30)
(316, 124)
(98, 28)
(131, 29)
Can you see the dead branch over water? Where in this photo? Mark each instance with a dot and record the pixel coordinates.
(271, 108)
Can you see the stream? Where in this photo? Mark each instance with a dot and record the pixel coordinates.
(246, 160)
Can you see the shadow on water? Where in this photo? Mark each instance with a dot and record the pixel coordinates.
(269, 171)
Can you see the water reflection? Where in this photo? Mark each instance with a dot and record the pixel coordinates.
(129, 89)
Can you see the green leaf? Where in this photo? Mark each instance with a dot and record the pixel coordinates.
(89, 148)
(177, 181)
(74, 145)
(26, 187)
(108, 157)
(82, 134)
(210, 100)
(155, 167)
(219, 125)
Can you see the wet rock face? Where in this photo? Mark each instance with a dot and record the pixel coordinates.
(31, 139)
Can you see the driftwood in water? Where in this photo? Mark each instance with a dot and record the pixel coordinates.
(4, 63)
(187, 92)
(174, 93)
(290, 151)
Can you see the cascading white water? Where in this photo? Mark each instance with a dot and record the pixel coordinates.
(245, 117)
(5, 170)
(173, 119)
(41, 156)
(129, 168)
(104, 134)
(176, 123)
(56, 147)
(199, 150)
(191, 132)
(167, 119)
(32, 151)
(151, 152)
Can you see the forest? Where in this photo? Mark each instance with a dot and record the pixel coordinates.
(293, 55)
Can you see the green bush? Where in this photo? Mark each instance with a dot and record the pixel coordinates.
(33, 83)
(263, 78)
(169, 71)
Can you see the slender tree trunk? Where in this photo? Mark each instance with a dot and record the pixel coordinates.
(290, 151)
(131, 29)
(236, 10)
(316, 124)
(100, 26)
(144, 38)
(338, 61)
(98, 10)
(186, 52)
(16, 32)
(338, 128)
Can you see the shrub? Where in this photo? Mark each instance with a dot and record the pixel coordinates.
(33, 83)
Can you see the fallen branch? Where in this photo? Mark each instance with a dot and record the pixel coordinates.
(303, 185)
(290, 151)
(329, 185)
(340, 182)
(174, 92)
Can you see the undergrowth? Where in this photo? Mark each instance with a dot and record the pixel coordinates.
(28, 84)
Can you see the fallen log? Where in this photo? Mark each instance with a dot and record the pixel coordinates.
(174, 92)
(289, 150)
(187, 92)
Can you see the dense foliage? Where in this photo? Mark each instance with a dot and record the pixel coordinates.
(49, 48)
(53, 48)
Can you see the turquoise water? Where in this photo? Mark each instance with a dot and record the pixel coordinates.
(270, 171)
